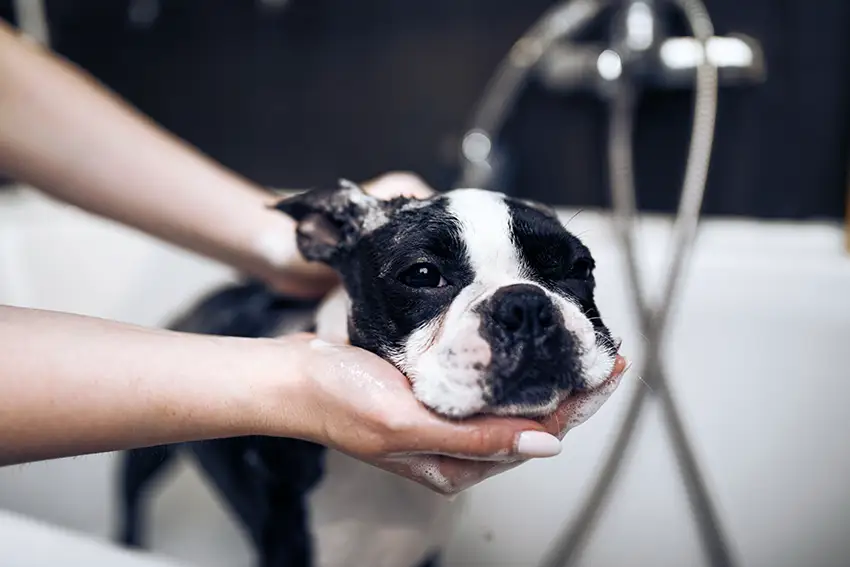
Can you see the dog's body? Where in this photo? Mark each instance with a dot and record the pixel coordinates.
(485, 302)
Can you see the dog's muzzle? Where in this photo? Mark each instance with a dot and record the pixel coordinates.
(534, 357)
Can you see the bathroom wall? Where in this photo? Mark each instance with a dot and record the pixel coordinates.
(314, 90)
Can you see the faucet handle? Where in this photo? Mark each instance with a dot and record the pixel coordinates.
(671, 64)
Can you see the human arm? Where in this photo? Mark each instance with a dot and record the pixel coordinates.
(64, 133)
(73, 385)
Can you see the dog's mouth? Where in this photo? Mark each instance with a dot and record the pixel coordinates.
(502, 374)
(542, 403)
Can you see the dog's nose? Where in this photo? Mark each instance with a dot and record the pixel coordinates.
(523, 309)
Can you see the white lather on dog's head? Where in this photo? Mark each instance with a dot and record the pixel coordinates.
(485, 302)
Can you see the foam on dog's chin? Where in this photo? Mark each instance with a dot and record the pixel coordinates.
(582, 408)
(597, 365)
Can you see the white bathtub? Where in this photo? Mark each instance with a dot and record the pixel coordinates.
(755, 356)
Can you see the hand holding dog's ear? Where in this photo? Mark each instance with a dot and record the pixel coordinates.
(319, 234)
(330, 221)
(399, 184)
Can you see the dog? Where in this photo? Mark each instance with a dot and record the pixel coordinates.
(484, 301)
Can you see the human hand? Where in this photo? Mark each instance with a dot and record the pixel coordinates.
(461, 473)
(353, 401)
(311, 279)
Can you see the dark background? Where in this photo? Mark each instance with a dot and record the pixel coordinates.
(341, 88)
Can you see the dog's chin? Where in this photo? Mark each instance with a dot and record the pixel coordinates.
(461, 381)
(537, 410)
(466, 402)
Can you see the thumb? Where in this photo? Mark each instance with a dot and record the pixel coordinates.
(488, 439)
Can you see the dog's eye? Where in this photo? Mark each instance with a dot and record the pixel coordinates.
(422, 275)
(582, 269)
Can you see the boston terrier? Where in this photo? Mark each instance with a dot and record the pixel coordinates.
(485, 302)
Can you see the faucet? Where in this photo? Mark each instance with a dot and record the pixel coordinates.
(639, 54)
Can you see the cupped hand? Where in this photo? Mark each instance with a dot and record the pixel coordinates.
(357, 403)
(457, 473)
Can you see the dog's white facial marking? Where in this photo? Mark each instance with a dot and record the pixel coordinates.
(446, 365)
(485, 222)
(596, 361)
(447, 359)
(597, 364)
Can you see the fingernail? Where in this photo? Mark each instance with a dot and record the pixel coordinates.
(537, 444)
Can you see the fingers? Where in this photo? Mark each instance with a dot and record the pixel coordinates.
(455, 457)
(483, 439)
(399, 184)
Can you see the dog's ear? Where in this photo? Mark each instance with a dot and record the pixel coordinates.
(331, 221)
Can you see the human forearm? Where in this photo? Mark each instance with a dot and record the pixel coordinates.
(73, 385)
(62, 132)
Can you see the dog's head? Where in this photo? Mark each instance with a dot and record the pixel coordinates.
(485, 302)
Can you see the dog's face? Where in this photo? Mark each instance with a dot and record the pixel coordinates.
(485, 302)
